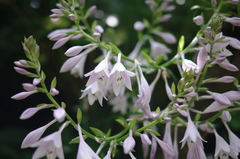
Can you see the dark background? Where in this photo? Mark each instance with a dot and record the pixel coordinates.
(22, 18)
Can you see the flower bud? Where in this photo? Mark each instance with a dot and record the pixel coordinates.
(28, 113)
(226, 116)
(139, 26)
(59, 114)
(128, 143)
(72, 51)
(72, 17)
(198, 20)
(36, 81)
(145, 139)
(96, 36)
(99, 29)
(54, 92)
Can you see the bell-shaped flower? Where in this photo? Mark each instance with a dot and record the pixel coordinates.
(191, 134)
(167, 37)
(167, 139)
(201, 59)
(28, 113)
(222, 148)
(233, 20)
(134, 53)
(168, 149)
(158, 49)
(84, 151)
(59, 114)
(120, 76)
(196, 152)
(235, 43)
(128, 143)
(100, 74)
(234, 143)
(108, 156)
(73, 61)
(78, 69)
(93, 93)
(198, 20)
(220, 98)
(188, 65)
(35, 135)
(153, 148)
(224, 79)
(50, 146)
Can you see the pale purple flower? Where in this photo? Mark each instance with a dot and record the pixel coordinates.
(59, 114)
(215, 106)
(235, 43)
(93, 93)
(188, 65)
(92, 10)
(205, 127)
(198, 20)
(35, 135)
(233, 20)
(222, 148)
(233, 1)
(234, 143)
(73, 61)
(21, 71)
(158, 49)
(139, 26)
(72, 17)
(84, 151)
(96, 35)
(220, 98)
(21, 63)
(153, 148)
(168, 149)
(167, 37)
(108, 156)
(144, 90)
(120, 103)
(128, 143)
(165, 17)
(224, 79)
(191, 134)
(134, 53)
(145, 139)
(99, 29)
(61, 42)
(54, 91)
(29, 87)
(196, 152)
(50, 146)
(120, 76)
(226, 116)
(28, 113)
(23, 95)
(36, 81)
(100, 74)
(201, 59)
(78, 69)
(59, 34)
(167, 139)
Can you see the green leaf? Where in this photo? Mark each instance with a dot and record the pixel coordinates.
(197, 117)
(181, 44)
(133, 123)
(63, 105)
(79, 116)
(173, 88)
(53, 83)
(159, 59)
(121, 122)
(147, 57)
(98, 132)
(75, 140)
(153, 132)
(158, 110)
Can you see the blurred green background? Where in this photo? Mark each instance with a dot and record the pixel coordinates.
(22, 18)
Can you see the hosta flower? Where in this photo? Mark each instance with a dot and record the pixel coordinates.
(84, 151)
(139, 26)
(222, 149)
(100, 74)
(128, 143)
(198, 20)
(120, 76)
(158, 49)
(35, 135)
(191, 134)
(59, 114)
(50, 146)
(28, 113)
(167, 37)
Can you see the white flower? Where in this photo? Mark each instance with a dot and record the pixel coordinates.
(59, 114)
(84, 151)
(120, 76)
(50, 146)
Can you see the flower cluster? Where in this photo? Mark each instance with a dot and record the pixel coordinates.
(117, 71)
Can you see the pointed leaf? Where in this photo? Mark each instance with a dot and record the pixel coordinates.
(98, 132)
(53, 83)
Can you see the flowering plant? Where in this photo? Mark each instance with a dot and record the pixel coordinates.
(141, 121)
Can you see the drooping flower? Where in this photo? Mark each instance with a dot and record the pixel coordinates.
(191, 134)
(222, 149)
(158, 49)
(84, 151)
(50, 146)
(35, 135)
(120, 76)
(128, 143)
(100, 74)
(167, 37)
(198, 20)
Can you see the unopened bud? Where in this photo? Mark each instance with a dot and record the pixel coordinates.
(226, 116)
